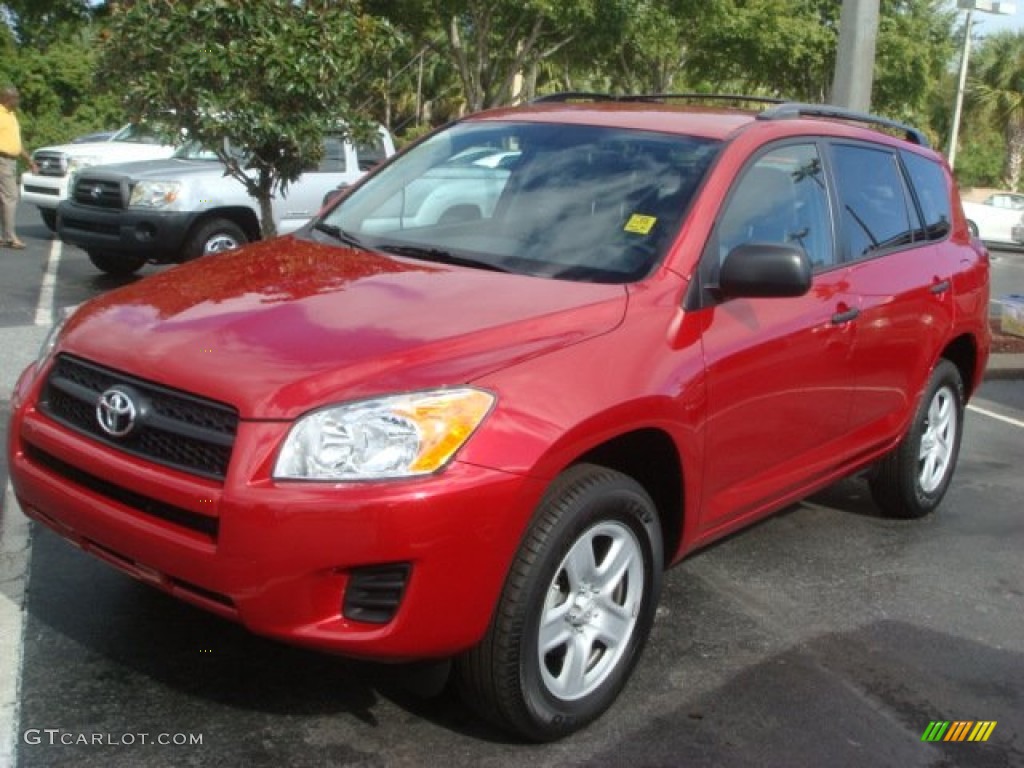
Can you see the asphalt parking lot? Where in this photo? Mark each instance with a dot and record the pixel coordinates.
(823, 636)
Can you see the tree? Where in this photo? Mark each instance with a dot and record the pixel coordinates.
(492, 43)
(997, 92)
(258, 82)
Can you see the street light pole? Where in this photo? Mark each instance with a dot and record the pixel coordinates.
(987, 6)
(958, 106)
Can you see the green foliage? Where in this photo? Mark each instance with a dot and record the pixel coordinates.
(58, 98)
(270, 76)
(996, 92)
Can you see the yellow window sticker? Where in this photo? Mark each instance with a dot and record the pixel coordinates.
(640, 225)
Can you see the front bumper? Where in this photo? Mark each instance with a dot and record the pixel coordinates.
(157, 236)
(43, 191)
(281, 557)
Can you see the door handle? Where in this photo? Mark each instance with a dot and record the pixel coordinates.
(940, 287)
(845, 316)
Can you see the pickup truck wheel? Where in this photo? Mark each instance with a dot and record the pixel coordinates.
(576, 609)
(119, 264)
(49, 216)
(911, 481)
(214, 236)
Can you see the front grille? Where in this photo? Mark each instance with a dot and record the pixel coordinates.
(171, 428)
(51, 163)
(373, 594)
(42, 190)
(146, 505)
(101, 193)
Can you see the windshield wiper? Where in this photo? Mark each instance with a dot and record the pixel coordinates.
(339, 234)
(439, 255)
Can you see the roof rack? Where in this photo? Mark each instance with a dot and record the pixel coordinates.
(556, 98)
(794, 110)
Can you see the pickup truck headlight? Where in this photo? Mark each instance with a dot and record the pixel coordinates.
(154, 194)
(85, 161)
(390, 437)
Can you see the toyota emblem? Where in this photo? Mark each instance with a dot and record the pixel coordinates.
(96, 192)
(116, 412)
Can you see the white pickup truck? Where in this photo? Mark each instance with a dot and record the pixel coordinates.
(180, 208)
(57, 164)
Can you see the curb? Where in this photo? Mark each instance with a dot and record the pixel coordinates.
(1005, 365)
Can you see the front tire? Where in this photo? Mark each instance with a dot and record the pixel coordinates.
(576, 609)
(214, 236)
(118, 264)
(911, 481)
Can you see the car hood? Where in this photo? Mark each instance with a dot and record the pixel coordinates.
(113, 150)
(166, 168)
(287, 325)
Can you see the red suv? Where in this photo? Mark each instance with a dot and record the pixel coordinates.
(477, 406)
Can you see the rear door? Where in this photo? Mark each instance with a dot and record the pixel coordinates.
(779, 370)
(901, 269)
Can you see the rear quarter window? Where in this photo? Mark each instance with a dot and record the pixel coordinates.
(932, 189)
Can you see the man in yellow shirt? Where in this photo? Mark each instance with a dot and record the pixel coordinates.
(10, 150)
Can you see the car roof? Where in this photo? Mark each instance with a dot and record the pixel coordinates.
(705, 122)
(658, 113)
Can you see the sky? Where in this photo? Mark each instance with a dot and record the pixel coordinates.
(987, 23)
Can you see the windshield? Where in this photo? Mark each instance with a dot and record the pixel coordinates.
(193, 150)
(136, 133)
(562, 201)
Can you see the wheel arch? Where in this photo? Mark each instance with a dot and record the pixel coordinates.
(651, 458)
(242, 216)
(963, 353)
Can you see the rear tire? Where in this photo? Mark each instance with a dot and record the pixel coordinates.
(576, 609)
(117, 264)
(911, 481)
(49, 216)
(214, 236)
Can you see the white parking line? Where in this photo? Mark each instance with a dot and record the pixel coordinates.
(15, 551)
(44, 307)
(997, 416)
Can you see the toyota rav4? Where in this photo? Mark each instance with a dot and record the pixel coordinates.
(482, 433)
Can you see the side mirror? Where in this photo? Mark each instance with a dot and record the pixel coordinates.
(764, 270)
(334, 194)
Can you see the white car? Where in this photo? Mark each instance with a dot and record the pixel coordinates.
(994, 219)
(56, 165)
(183, 207)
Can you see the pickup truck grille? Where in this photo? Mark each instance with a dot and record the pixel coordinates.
(102, 193)
(172, 428)
(51, 163)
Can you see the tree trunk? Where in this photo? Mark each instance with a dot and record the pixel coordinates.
(1014, 154)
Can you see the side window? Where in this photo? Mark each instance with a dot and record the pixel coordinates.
(371, 152)
(333, 160)
(781, 199)
(875, 212)
(929, 180)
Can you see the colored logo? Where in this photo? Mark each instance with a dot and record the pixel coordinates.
(958, 730)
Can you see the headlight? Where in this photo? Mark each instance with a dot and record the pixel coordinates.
(78, 163)
(390, 437)
(154, 194)
(50, 342)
